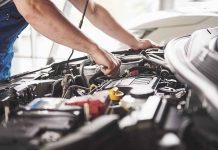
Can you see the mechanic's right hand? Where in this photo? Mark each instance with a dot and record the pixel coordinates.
(110, 64)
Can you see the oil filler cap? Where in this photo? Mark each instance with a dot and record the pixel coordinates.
(115, 94)
(141, 92)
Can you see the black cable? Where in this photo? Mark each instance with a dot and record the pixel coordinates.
(74, 88)
(80, 26)
(81, 70)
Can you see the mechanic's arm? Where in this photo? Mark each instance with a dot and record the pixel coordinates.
(102, 19)
(46, 19)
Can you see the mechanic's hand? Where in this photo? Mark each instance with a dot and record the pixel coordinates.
(110, 64)
(145, 44)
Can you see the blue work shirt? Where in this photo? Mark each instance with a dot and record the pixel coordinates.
(11, 25)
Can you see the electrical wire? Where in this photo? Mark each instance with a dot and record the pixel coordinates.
(80, 26)
(161, 62)
(72, 88)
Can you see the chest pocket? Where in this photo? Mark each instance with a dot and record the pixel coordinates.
(9, 12)
(11, 24)
(4, 15)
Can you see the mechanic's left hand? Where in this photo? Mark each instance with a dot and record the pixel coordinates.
(145, 44)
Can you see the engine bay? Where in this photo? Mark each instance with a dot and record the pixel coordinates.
(148, 104)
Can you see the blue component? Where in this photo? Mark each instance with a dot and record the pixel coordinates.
(37, 104)
(11, 25)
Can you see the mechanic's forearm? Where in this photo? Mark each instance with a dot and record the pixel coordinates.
(46, 19)
(104, 21)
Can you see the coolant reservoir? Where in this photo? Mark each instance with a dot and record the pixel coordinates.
(89, 71)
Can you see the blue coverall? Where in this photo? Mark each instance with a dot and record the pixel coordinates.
(11, 25)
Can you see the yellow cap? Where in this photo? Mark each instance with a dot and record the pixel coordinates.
(115, 94)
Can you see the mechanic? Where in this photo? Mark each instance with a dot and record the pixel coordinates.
(48, 20)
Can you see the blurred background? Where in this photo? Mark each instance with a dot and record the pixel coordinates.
(32, 50)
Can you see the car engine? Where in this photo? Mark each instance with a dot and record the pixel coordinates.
(160, 99)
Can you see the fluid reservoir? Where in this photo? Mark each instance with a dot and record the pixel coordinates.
(141, 92)
(115, 94)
